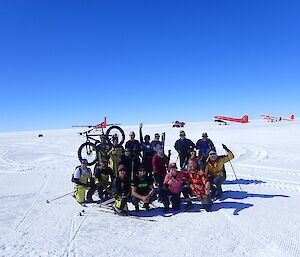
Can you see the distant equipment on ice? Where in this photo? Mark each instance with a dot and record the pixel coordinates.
(178, 124)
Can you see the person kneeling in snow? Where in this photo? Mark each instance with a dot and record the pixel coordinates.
(121, 189)
(83, 181)
(143, 189)
(104, 177)
(215, 170)
(172, 187)
(199, 184)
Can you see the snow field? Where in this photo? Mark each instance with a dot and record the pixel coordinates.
(263, 220)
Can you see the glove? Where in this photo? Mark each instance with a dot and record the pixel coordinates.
(87, 185)
(225, 148)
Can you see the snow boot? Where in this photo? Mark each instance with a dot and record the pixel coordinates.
(189, 205)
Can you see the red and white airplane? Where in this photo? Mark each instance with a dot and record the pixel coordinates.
(101, 125)
(272, 118)
(224, 119)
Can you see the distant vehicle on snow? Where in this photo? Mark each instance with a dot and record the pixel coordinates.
(178, 124)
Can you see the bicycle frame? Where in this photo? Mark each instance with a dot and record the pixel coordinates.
(90, 137)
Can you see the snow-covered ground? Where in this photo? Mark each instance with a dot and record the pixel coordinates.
(263, 220)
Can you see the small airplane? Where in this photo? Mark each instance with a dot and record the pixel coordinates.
(101, 125)
(272, 118)
(224, 120)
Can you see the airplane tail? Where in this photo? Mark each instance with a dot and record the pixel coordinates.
(292, 117)
(104, 123)
(245, 118)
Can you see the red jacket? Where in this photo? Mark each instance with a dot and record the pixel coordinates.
(160, 165)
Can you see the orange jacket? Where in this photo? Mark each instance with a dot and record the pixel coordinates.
(198, 181)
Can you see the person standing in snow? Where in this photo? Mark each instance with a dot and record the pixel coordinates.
(147, 151)
(83, 182)
(214, 168)
(143, 189)
(160, 164)
(130, 163)
(121, 191)
(103, 148)
(205, 145)
(184, 147)
(135, 149)
(156, 144)
(115, 154)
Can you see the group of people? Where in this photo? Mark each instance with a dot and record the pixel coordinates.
(141, 173)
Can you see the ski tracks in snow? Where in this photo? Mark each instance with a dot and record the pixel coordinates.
(37, 196)
(278, 244)
(71, 249)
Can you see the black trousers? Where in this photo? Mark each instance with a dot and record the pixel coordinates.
(168, 196)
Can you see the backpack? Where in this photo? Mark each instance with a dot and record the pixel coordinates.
(80, 170)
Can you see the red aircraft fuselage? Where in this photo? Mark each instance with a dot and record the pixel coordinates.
(224, 118)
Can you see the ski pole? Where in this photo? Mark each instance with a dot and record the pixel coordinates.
(54, 199)
(236, 176)
(176, 159)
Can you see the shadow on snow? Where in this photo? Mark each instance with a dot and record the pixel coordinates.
(238, 195)
(197, 207)
(243, 182)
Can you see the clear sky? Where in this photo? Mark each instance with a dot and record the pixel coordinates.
(64, 63)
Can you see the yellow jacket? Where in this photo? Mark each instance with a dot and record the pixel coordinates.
(216, 169)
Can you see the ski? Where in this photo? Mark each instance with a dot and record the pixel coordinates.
(163, 139)
(106, 207)
(107, 202)
(110, 210)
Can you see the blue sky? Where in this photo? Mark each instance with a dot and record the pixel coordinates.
(74, 62)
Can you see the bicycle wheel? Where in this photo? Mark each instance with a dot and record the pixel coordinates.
(88, 151)
(115, 131)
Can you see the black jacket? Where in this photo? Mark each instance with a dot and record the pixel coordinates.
(183, 146)
(121, 187)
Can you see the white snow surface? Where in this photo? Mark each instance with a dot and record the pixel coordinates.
(262, 220)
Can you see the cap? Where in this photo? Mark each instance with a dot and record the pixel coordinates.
(141, 168)
(84, 161)
(204, 134)
(122, 167)
(172, 165)
(212, 152)
(115, 137)
(156, 135)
